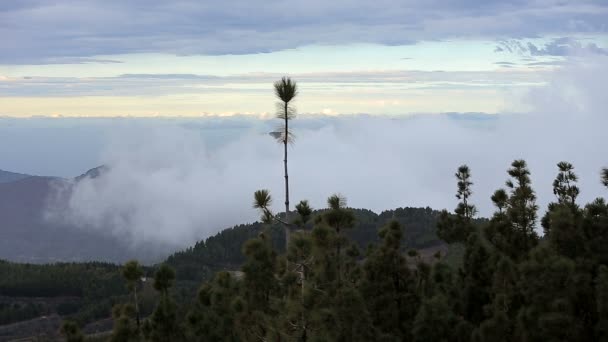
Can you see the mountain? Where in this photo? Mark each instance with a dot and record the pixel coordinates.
(6, 176)
(93, 173)
(27, 236)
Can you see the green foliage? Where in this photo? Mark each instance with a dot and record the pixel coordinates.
(458, 227)
(434, 321)
(389, 286)
(20, 311)
(91, 280)
(71, 331)
(564, 185)
(522, 208)
(132, 272)
(223, 251)
(163, 279)
(601, 290)
(213, 315)
(508, 284)
(500, 199)
(125, 326)
(304, 212)
(285, 89)
(464, 209)
(163, 324)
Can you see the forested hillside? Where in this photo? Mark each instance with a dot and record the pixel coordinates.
(86, 292)
(223, 251)
(337, 282)
(512, 285)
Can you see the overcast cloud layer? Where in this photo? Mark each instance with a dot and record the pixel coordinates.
(69, 31)
(168, 183)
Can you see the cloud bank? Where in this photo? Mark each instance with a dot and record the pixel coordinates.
(172, 183)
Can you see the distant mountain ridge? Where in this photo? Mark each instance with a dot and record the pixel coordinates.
(7, 176)
(93, 173)
(26, 234)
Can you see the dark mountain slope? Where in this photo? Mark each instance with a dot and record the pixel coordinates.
(26, 235)
(223, 251)
(6, 176)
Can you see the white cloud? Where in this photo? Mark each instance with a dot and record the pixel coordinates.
(169, 184)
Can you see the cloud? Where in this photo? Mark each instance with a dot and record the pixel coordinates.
(167, 84)
(506, 64)
(168, 184)
(564, 47)
(38, 31)
(558, 47)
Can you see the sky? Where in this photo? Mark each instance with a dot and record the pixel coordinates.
(178, 180)
(176, 98)
(108, 58)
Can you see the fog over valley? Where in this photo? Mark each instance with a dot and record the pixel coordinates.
(176, 181)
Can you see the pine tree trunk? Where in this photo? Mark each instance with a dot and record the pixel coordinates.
(136, 306)
(304, 336)
(338, 254)
(285, 138)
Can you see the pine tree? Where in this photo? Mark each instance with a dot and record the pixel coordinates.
(522, 208)
(212, 318)
(457, 228)
(499, 325)
(434, 321)
(595, 226)
(339, 218)
(601, 290)
(605, 176)
(71, 331)
(548, 293)
(163, 325)
(476, 276)
(389, 286)
(564, 185)
(499, 231)
(125, 327)
(465, 209)
(286, 90)
(255, 306)
(329, 309)
(132, 272)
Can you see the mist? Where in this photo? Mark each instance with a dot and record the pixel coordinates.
(173, 184)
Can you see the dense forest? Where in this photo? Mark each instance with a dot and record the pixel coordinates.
(223, 251)
(511, 284)
(85, 292)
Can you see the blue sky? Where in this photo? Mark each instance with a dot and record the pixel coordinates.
(193, 58)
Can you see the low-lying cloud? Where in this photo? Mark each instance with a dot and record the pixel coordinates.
(176, 183)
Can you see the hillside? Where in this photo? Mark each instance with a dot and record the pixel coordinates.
(27, 235)
(6, 176)
(223, 251)
(85, 292)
